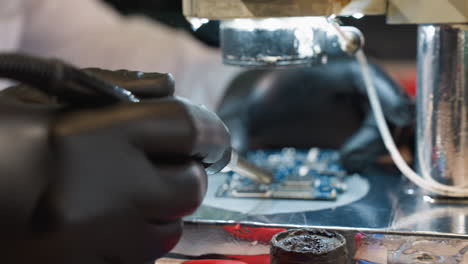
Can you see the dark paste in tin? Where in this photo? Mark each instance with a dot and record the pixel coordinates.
(308, 246)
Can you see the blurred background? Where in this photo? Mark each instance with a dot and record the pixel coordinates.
(377, 32)
(398, 56)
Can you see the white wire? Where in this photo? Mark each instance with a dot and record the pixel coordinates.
(427, 182)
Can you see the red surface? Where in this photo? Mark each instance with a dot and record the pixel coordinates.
(214, 261)
(259, 259)
(407, 79)
(409, 85)
(260, 234)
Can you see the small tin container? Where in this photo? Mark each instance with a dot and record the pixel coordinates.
(308, 246)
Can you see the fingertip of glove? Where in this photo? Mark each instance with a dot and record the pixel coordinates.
(164, 84)
(221, 163)
(211, 136)
(160, 239)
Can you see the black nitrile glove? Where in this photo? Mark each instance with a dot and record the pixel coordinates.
(102, 185)
(322, 106)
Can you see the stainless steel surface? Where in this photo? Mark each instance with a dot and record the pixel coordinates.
(442, 118)
(373, 245)
(391, 205)
(248, 169)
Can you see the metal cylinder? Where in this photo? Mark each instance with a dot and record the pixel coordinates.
(284, 42)
(276, 42)
(442, 118)
(308, 246)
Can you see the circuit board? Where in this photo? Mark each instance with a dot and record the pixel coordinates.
(298, 174)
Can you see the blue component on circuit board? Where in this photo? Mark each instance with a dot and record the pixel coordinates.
(298, 174)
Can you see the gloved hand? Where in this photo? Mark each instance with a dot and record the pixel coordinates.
(323, 106)
(102, 185)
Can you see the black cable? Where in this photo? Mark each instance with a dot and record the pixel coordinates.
(54, 77)
(29, 70)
